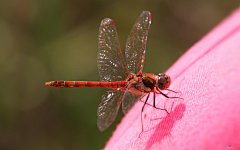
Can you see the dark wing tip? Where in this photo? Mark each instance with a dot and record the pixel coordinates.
(148, 14)
(107, 21)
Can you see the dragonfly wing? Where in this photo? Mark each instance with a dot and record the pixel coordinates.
(108, 108)
(111, 64)
(136, 43)
(133, 93)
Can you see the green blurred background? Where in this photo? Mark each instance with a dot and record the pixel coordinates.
(44, 40)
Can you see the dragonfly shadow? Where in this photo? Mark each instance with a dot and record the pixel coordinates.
(163, 129)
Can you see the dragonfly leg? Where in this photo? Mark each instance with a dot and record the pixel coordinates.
(154, 97)
(142, 111)
(153, 106)
(146, 103)
(154, 102)
(167, 95)
(172, 91)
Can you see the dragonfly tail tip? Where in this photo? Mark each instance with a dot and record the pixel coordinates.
(48, 83)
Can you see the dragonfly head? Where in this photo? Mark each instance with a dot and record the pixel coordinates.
(163, 81)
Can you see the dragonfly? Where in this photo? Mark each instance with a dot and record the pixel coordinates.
(125, 79)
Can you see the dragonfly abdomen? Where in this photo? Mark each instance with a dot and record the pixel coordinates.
(116, 84)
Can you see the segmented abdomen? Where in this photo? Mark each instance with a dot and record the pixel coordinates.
(116, 84)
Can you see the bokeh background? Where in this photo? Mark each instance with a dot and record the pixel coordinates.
(44, 40)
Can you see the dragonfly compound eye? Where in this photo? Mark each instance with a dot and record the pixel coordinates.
(163, 81)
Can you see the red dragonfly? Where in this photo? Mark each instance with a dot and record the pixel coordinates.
(126, 80)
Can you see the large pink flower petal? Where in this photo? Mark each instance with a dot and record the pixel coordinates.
(208, 75)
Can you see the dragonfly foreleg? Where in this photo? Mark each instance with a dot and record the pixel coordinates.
(172, 91)
(165, 95)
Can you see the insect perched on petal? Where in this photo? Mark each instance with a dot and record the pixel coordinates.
(126, 80)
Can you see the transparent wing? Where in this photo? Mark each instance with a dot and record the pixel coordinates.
(111, 64)
(136, 43)
(108, 108)
(134, 92)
